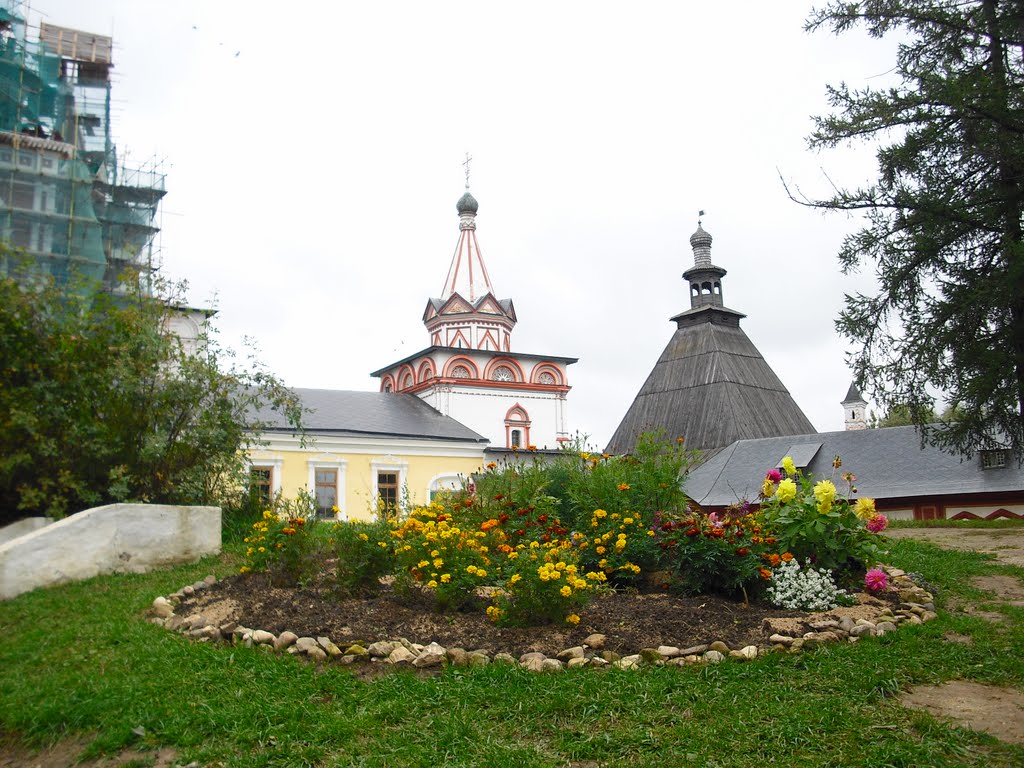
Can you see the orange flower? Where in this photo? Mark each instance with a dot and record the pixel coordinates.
(786, 557)
(773, 559)
(531, 447)
(488, 524)
(288, 531)
(765, 573)
(491, 465)
(623, 486)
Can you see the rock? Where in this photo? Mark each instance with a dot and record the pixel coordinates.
(211, 632)
(713, 656)
(865, 623)
(316, 653)
(459, 657)
(401, 655)
(749, 652)
(432, 655)
(691, 658)
(162, 608)
(719, 646)
(611, 656)
(329, 648)
(358, 651)
(862, 630)
(597, 661)
(650, 655)
(929, 615)
(825, 624)
(814, 639)
(305, 643)
(477, 659)
(629, 662)
(576, 652)
(797, 645)
(914, 619)
(381, 649)
(551, 665)
(196, 621)
(210, 580)
(693, 650)
(407, 645)
(175, 622)
(156, 620)
(669, 651)
(503, 658)
(897, 572)
(199, 586)
(578, 661)
(595, 641)
(188, 591)
(846, 624)
(534, 662)
(884, 628)
(780, 640)
(347, 659)
(285, 640)
(227, 628)
(678, 661)
(262, 637)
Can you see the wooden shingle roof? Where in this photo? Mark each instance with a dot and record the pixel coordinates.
(712, 387)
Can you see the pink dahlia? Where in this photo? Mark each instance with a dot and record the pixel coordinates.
(774, 475)
(877, 524)
(875, 580)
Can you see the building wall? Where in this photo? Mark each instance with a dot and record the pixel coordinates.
(485, 410)
(421, 465)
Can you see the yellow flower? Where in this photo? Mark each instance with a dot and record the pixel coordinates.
(445, 578)
(438, 562)
(627, 521)
(262, 549)
(432, 584)
(572, 618)
(470, 569)
(623, 486)
(825, 494)
(786, 491)
(789, 466)
(513, 555)
(580, 584)
(481, 572)
(422, 563)
(363, 537)
(244, 569)
(565, 591)
(768, 489)
(600, 513)
(516, 578)
(864, 508)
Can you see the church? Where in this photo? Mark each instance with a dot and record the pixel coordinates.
(470, 371)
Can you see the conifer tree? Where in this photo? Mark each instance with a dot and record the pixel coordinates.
(944, 221)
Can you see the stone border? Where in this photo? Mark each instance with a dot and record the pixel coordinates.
(916, 607)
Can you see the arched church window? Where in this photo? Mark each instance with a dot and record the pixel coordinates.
(545, 378)
(407, 381)
(517, 438)
(503, 373)
(460, 372)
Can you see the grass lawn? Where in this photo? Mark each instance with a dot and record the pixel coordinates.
(80, 660)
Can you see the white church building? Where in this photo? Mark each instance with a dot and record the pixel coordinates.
(470, 371)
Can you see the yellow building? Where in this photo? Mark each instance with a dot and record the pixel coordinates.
(364, 449)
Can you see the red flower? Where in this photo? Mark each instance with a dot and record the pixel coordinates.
(742, 551)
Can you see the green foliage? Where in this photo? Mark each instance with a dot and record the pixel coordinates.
(543, 584)
(363, 556)
(945, 218)
(708, 553)
(285, 541)
(101, 403)
(813, 522)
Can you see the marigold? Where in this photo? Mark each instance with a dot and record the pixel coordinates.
(600, 513)
(787, 556)
(565, 591)
(572, 618)
(432, 584)
(623, 486)
(446, 578)
(764, 573)
(491, 465)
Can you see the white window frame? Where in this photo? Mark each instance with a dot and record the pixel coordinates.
(336, 464)
(276, 465)
(457, 477)
(387, 464)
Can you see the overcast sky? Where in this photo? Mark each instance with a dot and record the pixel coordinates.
(314, 154)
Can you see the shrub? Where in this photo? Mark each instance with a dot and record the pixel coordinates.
(620, 545)
(709, 553)
(284, 542)
(363, 556)
(816, 523)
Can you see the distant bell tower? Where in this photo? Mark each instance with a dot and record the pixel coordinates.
(855, 409)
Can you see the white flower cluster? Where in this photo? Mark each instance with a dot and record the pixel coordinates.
(804, 589)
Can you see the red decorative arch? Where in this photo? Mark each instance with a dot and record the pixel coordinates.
(453, 341)
(406, 377)
(554, 370)
(426, 371)
(387, 383)
(508, 362)
(517, 420)
(474, 372)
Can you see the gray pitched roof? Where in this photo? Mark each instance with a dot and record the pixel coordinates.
(889, 464)
(712, 387)
(370, 413)
(853, 394)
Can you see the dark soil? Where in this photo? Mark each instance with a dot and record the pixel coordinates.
(628, 619)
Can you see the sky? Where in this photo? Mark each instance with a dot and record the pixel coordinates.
(314, 153)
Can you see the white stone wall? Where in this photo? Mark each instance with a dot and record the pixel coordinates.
(484, 411)
(116, 538)
(20, 528)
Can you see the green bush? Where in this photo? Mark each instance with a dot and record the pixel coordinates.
(363, 556)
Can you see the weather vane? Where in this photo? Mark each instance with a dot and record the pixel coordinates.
(466, 163)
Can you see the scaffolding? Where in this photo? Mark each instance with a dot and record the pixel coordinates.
(65, 199)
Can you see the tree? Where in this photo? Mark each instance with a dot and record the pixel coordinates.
(100, 403)
(944, 219)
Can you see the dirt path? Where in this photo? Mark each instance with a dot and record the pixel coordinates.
(1007, 544)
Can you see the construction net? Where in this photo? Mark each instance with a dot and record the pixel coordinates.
(64, 198)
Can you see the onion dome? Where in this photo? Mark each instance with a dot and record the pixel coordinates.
(700, 238)
(467, 204)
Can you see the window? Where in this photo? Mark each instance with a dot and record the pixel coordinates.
(387, 493)
(326, 491)
(460, 372)
(517, 438)
(545, 378)
(503, 373)
(993, 459)
(261, 483)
